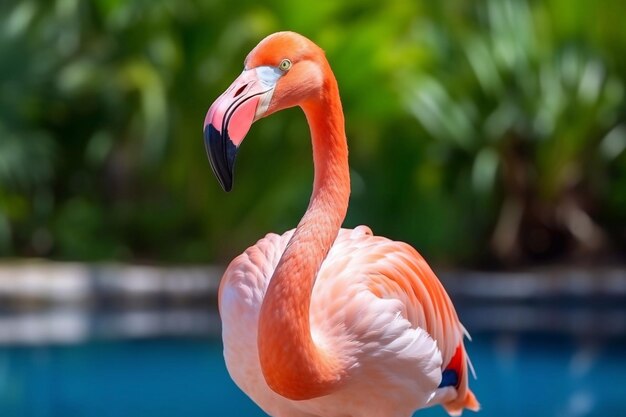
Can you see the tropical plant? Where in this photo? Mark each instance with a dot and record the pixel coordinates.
(532, 124)
(477, 131)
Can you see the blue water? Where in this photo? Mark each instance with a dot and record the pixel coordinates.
(186, 377)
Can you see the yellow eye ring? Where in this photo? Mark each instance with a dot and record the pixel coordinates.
(284, 65)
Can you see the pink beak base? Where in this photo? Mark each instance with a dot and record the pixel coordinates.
(234, 111)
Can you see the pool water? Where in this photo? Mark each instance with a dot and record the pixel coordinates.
(517, 376)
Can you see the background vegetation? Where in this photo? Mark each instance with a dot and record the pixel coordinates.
(488, 133)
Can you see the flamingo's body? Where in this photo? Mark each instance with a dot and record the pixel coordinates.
(323, 321)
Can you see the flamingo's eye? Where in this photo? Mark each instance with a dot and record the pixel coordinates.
(284, 65)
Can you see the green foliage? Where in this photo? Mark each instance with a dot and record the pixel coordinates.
(493, 130)
(524, 120)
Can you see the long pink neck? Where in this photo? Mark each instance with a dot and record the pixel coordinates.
(293, 365)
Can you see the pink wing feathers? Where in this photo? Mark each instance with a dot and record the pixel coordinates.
(393, 270)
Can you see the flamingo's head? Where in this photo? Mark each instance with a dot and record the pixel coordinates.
(283, 70)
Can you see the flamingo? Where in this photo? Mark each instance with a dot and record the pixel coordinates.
(321, 320)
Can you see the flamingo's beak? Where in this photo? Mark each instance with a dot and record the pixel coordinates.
(229, 118)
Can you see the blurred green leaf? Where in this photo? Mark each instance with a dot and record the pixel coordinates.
(454, 112)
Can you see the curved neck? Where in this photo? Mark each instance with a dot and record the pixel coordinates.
(293, 365)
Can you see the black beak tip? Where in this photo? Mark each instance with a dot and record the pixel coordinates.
(221, 152)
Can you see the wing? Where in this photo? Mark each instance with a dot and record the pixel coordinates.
(379, 300)
(247, 276)
(240, 297)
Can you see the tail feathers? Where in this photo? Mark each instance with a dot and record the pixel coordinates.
(465, 398)
(456, 407)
